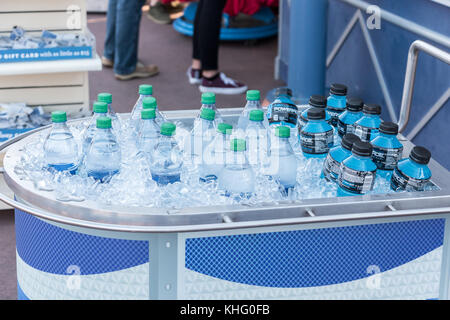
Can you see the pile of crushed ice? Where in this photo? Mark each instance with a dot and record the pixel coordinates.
(133, 186)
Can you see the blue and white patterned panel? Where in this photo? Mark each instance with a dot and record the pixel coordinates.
(418, 279)
(313, 258)
(131, 283)
(50, 257)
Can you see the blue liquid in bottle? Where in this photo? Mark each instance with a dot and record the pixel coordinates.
(387, 149)
(367, 127)
(336, 102)
(332, 163)
(316, 137)
(358, 172)
(412, 174)
(348, 118)
(315, 101)
(283, 111)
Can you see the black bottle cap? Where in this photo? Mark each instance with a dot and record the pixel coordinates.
(338, 89)
(389, 128)
(372, 109)
(354, 104)
(316, 113)
(420, 155)
(283, 91)
(348, 140)
(361, 148)
(318, 101)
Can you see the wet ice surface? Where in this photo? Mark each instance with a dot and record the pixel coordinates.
(133, 186)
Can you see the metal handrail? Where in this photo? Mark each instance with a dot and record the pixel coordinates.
(410, 76)
(404, 23)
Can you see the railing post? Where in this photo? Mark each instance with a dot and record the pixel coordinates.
(307, 47)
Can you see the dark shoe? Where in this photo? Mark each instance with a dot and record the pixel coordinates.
(194, 76)
(107, 62)
(159, 14)
(140, 72)
(221, 84)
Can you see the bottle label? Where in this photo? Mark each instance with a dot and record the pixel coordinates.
(344, 128)
(208, 178)
(386, 158)
(165, 179)
(331, 168)
(355, 181)
(401, 181)
(301, 122)
(334, 113)
(285, 114)
(316, 143)
(364, 133)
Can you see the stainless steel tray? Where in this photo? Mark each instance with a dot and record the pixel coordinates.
(142, 219)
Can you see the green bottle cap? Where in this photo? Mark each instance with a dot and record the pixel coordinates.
(253, 95)
(103, 122)
(148, 114)
(146, 89)
(208, 98)
(282, 132)
(100, 107)
(105, 97)
(59, 116)
(238, 145)
(168, 129)
(149, 103)
(256, 115)
(208, 114)
(224, 128)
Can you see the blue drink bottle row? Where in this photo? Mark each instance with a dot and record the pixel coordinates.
(317, 136)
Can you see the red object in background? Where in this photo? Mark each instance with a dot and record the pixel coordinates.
(233, 7)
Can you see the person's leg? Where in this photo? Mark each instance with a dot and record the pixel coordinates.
(127, 35)
(194, 72)
(209, 25)
(109, 49)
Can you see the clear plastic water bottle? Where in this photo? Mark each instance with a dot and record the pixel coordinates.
(100, 110)
(317, 136)
(351, 114)
(367, 127)
(282, 162)
(214, 155)
(209, 102)
(151, 103)
(107, 98)
(253, 103)
(413, 173)
(201, 135)
(332, 163)
(315, 101)
(336, 102)
(357, 172)
(387, 149)
(145, 91)
(149, 132)
(258, 139)
(167, 159)
(60, 148)
(104, 156)
(237, 178)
